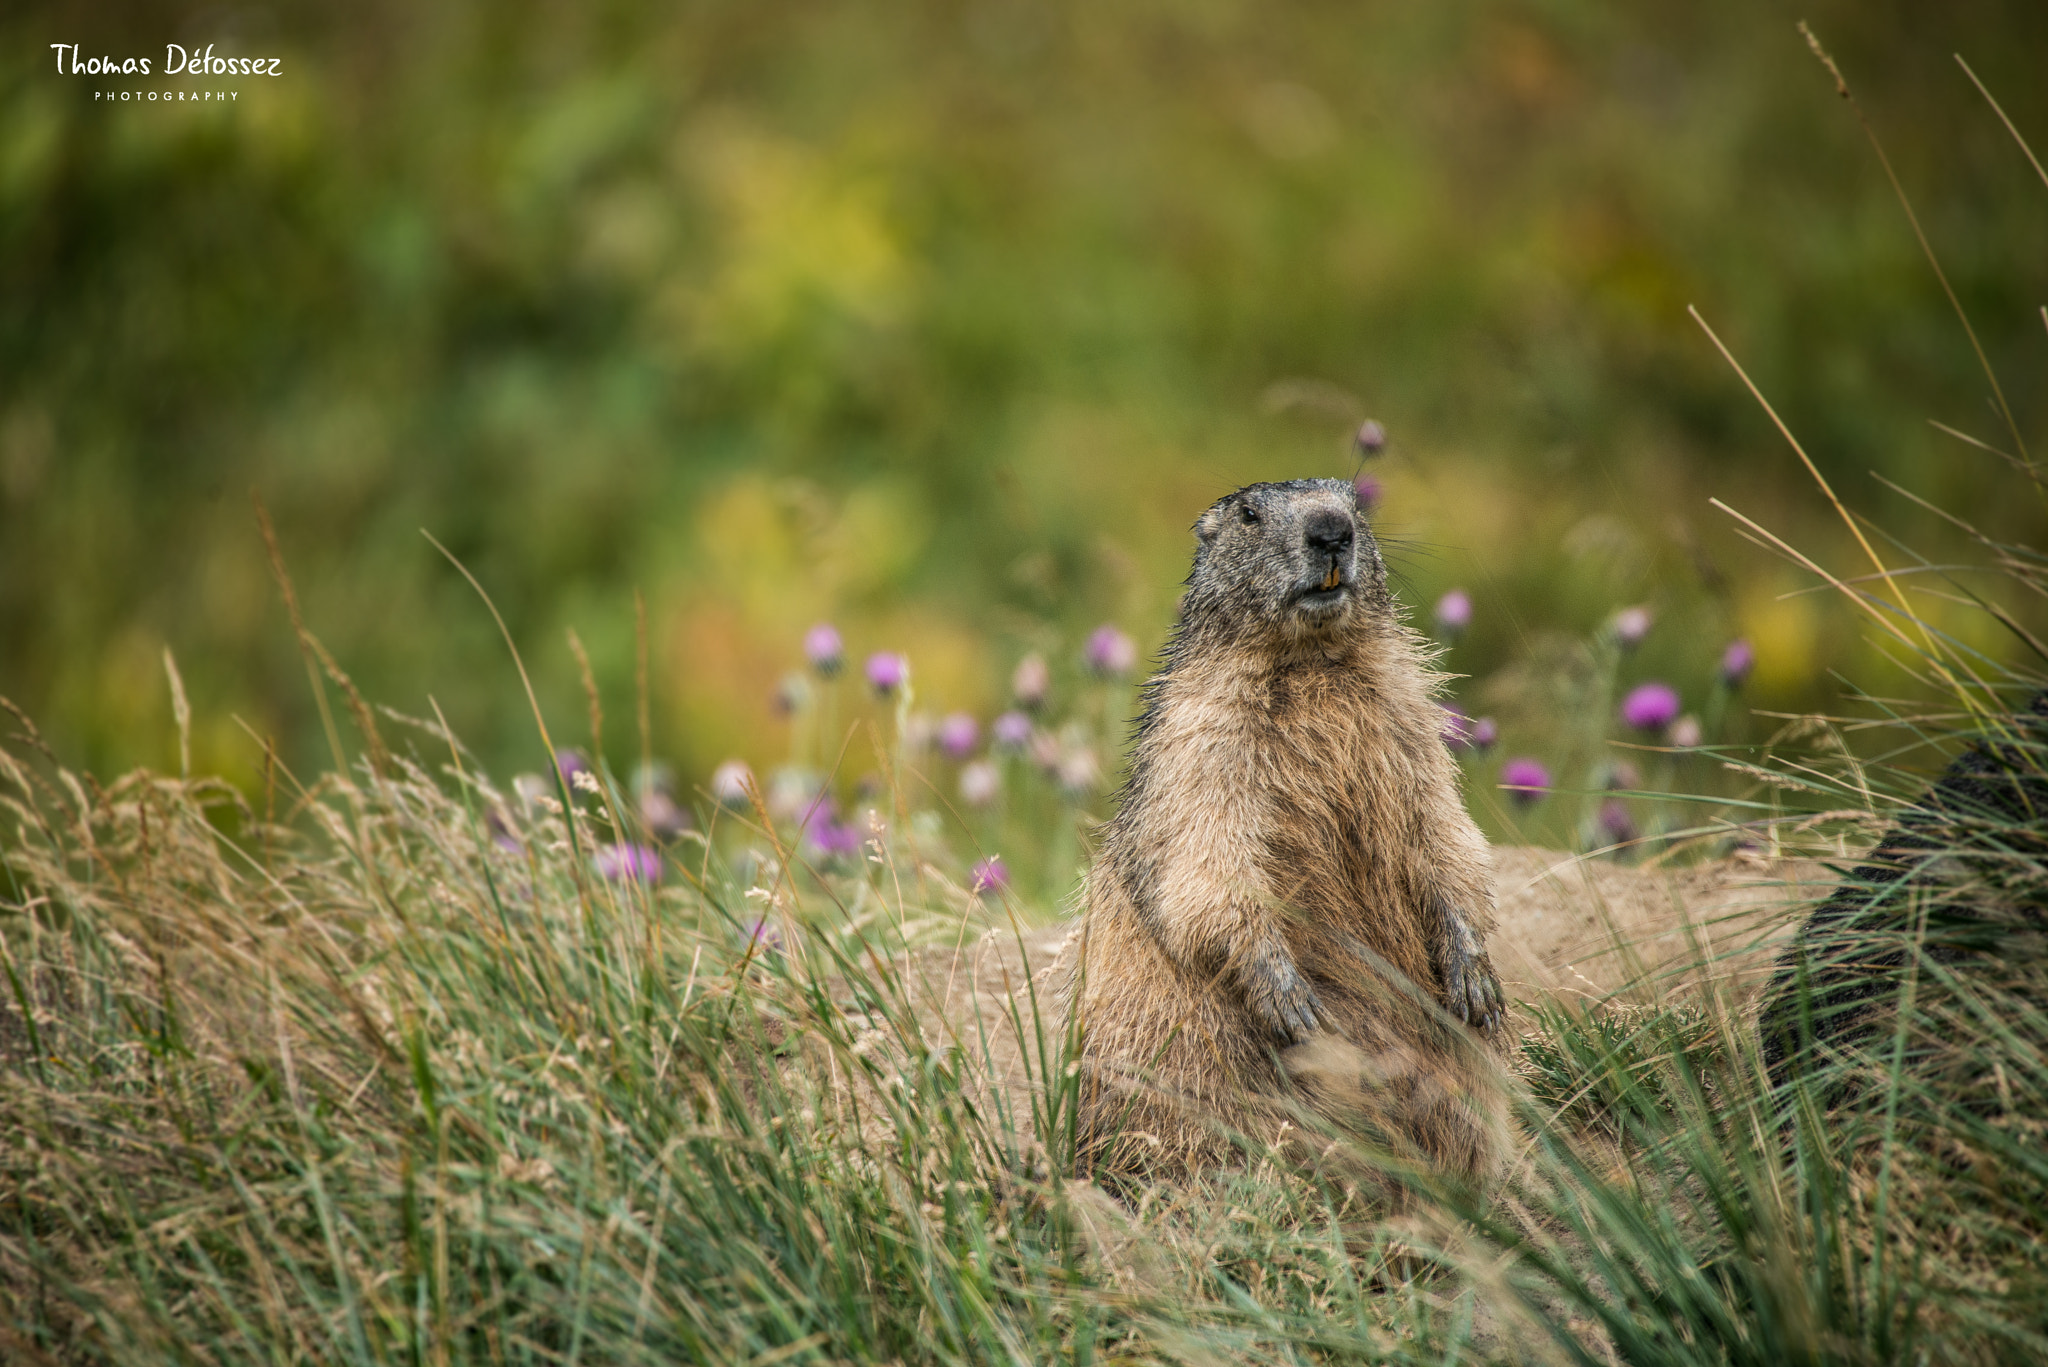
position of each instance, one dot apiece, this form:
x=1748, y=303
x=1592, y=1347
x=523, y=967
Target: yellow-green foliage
x=944, y=322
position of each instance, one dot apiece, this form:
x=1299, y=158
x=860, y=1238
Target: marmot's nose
x=1328, y=531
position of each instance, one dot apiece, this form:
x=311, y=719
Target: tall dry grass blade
x=1842, y=89
x=2008, y=457
x=291, y=604
x=1932, y=652
x=1806, y=562
x=358, y=706
x=540, y=722
x=525, y=680
x=590, y=697
x=2003, y=118
x=2006, y=619
x=181, y=712
x=640, y=679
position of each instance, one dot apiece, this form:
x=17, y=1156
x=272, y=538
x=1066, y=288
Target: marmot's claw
x=1472, y=993
x=1300, y=1013
x=1454, y=989
x=1491, y=1008
x=1287, y=1004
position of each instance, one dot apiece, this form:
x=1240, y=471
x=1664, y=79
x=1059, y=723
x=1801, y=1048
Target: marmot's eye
x=1251, y=514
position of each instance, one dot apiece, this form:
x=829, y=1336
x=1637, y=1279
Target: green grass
x=358, y=1084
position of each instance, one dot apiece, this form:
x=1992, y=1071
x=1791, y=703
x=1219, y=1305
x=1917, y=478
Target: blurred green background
x=942, y=321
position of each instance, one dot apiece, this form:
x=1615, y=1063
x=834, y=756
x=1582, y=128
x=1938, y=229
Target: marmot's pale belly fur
x=1290, y=905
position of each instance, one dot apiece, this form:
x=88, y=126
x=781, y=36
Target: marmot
x=1291, y=886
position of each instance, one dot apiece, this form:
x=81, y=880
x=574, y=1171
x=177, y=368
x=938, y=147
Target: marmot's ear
x=1209, y=524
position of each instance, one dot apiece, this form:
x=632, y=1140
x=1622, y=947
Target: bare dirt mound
x=1570, y=927
x=1588, y=927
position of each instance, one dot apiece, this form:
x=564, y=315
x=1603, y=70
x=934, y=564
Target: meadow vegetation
x=405, y=1069
x=383, y=1050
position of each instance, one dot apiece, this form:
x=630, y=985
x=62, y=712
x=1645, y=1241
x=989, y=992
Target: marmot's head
x=1296, y=558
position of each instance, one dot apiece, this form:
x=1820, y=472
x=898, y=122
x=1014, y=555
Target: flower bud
x=1736, y=662
x=980, y=783
x=887, y=671
x=989, y=876
x=1650, y=706
x=959, y=734
x=1109, y=653
x=1526, y=780
x=1631, y=625
x=823, y=648
x=1031, y=682
x=730, y=781
x=1454, y=613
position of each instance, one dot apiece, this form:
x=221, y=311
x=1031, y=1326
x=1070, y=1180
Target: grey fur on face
x=1296, y=557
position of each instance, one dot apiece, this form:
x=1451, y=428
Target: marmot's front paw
x=1282, y=999
x=1473, y=994
x=1471, y=991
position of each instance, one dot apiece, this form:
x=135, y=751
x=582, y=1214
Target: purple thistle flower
x=887, y=672
x=628, y=863
x=988, y=876
x=571, y=763
x=831, y=839
x=730, y=781
x=1650, y=706
x=1010, y=731
x=824, y=649
x=1485, y=732
x=1369, y=491
x=1615, y=822
x=1454, y=613
x=1031, y=682
x=979, y=783
x=1526, y=780
x=1631, y=625
x=1736, y=662
x=959, y=734
x=1109, y=653
x=1371, y=438
x=763, y=936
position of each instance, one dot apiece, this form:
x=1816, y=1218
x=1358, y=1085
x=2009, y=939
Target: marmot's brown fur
x=1291, y=901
